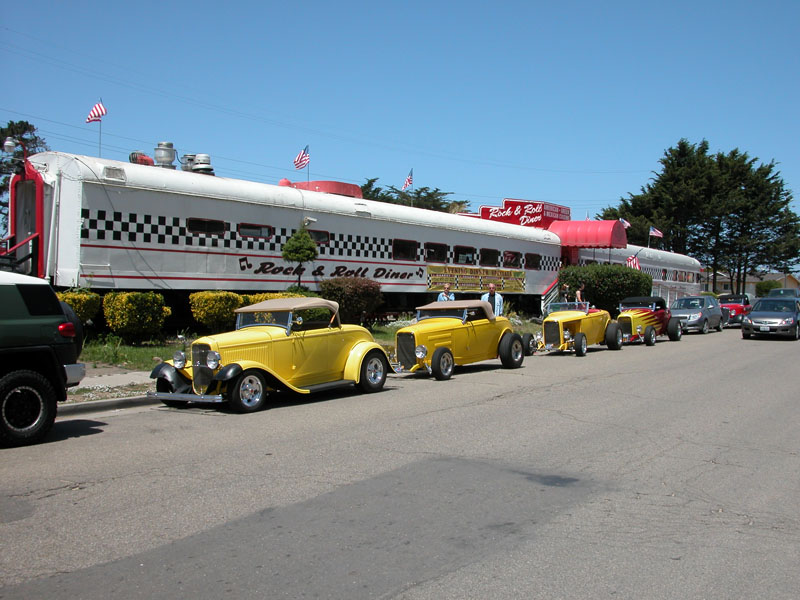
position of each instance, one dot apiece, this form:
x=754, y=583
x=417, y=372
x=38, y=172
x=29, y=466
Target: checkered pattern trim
x=108, y=226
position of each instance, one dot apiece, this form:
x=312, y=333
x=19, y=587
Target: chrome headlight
x=538, y=336
x=179, y=359
x=212, y=360
x=638, y=329
x=789, y=321
x=420, y=351
x=567, y=335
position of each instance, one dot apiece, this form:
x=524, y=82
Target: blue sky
x=572, y=103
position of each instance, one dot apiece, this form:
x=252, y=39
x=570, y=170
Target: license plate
x=762, y=328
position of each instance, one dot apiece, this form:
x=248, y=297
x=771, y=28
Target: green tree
x=728, y=211
x=28, y=142
x=299, y=248
x=424, y=197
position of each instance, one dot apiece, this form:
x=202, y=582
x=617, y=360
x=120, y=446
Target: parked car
x=784, y=293
x=454, y=333
x=40, y=342
x=573, y=326
x=296, y=344
x=773, y=317
x=698, y=313
x=738, y=306
x=642, y=318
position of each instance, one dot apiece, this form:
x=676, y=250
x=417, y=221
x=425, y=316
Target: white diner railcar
x=104, y=224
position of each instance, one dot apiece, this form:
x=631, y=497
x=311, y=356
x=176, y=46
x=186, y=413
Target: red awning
x=590, y=234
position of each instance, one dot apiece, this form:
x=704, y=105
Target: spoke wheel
x=249, y=392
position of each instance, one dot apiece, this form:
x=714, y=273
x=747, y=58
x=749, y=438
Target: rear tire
x=649, y=336
x=745, y=336
x=27, y=407
x=674, y=329
x=580, y=344
x=249, y=392
x=614, y=336
x=373, y=372
x=511, y=351
x=442, y=364
x=529, y=344
x=704, y=330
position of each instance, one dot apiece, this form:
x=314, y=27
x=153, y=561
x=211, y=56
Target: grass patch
x=110, y=350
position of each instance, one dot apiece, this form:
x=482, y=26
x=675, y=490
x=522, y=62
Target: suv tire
x=27, y=407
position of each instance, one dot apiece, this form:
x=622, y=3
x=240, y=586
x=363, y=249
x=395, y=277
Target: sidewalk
x=106, y=383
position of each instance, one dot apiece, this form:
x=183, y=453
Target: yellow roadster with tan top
x=460, y=332
x=296, y=344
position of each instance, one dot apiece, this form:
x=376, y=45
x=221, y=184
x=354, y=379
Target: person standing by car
x=446, y=295
x=564, y=293
x=580, y=293
x=495, y=299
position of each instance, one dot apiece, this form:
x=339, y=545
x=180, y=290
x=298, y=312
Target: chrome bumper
x=75, y=373
x=207, y=399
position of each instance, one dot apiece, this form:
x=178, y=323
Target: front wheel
x=249, y=392
x=650, y=336
x=720, y=324
x=27, y=407
x=705, y=327
x=745, y=336
x=373, y=372
x=511, y=351
x=613, y=336
x=580, y=344
x=442, y=364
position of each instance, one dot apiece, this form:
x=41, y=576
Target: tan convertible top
x=285, y=304
x=461, y=304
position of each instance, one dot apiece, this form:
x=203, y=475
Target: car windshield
x=782, y=292
x=774, y=306
x=562, y=306
x=733, y=299
x=273, y=318
x=688, y=303
x=445, y=313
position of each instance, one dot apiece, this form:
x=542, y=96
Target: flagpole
x=100, y=140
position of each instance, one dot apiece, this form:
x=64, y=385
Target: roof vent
x=202, y=164
x=165, y=155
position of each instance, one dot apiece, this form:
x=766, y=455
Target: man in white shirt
x=495, y=299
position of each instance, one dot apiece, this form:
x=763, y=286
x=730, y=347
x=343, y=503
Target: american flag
x=97, y=112
x=409, y=180
x=655, y=232
x=633, y=262
x=625, y=224
x=302, y=159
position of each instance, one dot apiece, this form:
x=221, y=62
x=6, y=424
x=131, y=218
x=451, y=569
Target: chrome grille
x=405, y=350
x=552, y=333
x=201, y=374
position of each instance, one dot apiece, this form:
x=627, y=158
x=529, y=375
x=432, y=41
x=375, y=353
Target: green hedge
x=607, y=285
x=355, y=295
x=86, y=304
x=135, y=316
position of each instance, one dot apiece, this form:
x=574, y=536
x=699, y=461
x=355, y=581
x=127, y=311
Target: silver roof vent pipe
x=164, y=155
x=202, y=164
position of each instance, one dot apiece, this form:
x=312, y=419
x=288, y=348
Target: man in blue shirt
x=446, y=294
x=495, y=299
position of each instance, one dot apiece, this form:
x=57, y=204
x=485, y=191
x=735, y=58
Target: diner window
x=512, y=260
x=257, y=231
x=489, y=257
x=207, y=226
x=319, y=237
x=435, y=252
x=533, y=261
x=404, y=250
x=464, y=255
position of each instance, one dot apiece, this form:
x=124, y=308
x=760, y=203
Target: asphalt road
x=663, y=472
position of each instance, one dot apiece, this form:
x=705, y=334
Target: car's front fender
x=352, y=368
x=179, y=382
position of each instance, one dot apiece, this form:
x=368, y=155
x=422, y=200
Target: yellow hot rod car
x=296, y=344
x=574, y=325
x=453, y=333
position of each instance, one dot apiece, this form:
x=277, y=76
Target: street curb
x=75, y=408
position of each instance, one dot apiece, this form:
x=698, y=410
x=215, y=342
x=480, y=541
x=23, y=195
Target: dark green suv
x=40, y=342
